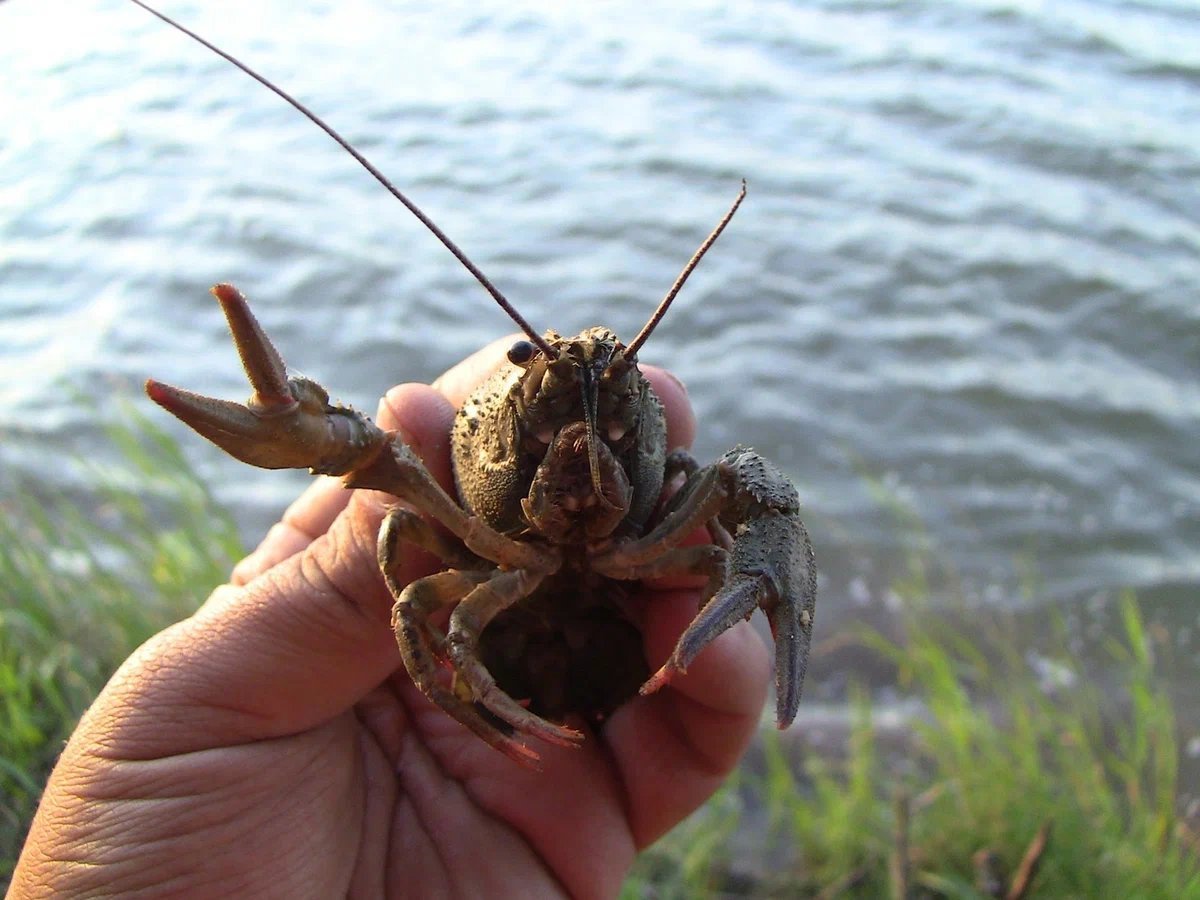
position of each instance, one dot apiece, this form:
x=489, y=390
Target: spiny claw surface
x=770, y=566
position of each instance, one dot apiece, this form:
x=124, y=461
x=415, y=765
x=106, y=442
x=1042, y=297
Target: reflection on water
x=966, y=267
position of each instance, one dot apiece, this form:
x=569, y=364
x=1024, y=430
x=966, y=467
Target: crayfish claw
x=770, y=566
x=288, y=423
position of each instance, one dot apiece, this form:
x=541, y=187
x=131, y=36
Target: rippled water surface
x=967, y=268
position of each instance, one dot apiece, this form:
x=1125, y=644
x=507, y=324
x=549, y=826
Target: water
x=966, y=270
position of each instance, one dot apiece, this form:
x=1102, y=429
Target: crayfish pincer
x=560, y=462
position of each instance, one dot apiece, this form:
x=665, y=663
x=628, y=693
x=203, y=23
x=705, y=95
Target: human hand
x=272, y=745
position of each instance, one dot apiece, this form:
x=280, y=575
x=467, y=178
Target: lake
x=959, y=304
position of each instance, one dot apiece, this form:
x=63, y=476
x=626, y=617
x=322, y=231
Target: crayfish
x=560, y=463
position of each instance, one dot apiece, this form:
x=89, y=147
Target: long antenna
x=378, y=176
x=683, y=276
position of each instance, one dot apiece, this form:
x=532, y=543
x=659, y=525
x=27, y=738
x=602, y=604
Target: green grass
x=83, y=587
x=992, y=755
x=990, y=758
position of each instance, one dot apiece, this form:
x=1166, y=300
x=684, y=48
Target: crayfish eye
x=521, y=352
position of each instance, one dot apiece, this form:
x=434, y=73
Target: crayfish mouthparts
x=579, y=492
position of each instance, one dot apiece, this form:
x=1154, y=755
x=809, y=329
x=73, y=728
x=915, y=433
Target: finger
x=681, y=421
x=422, y=416
x=459, y=381
x=675, y=747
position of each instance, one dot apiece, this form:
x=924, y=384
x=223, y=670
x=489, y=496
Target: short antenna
x=683, y=276
x=462, y=257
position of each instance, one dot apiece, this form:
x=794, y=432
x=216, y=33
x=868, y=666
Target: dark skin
x=272, y=745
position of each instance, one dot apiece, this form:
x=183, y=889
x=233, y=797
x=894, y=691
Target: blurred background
x=958, y=306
